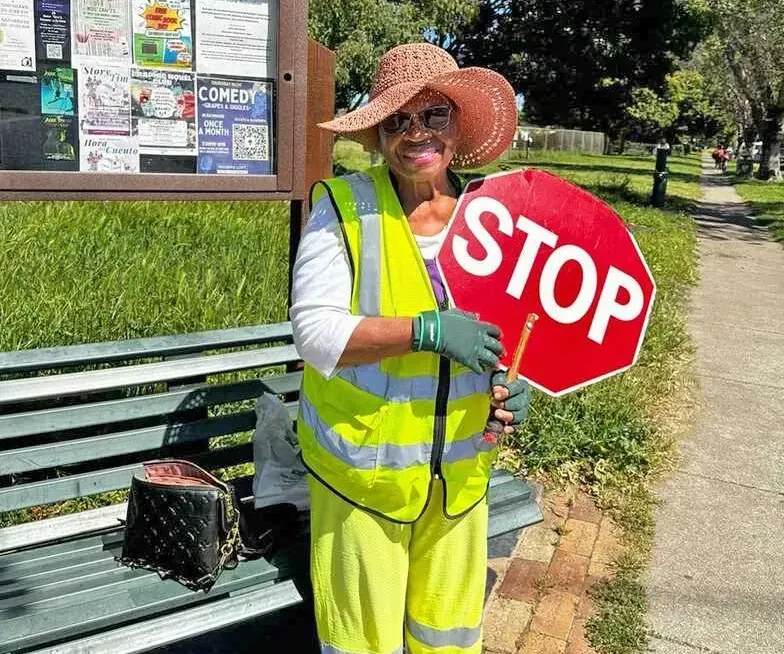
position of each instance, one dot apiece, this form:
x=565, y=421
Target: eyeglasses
x=435, y=119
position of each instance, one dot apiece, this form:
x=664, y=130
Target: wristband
x=429, y=337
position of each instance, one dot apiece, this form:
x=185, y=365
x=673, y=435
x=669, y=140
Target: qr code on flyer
x=54, y=51
x=250, y=142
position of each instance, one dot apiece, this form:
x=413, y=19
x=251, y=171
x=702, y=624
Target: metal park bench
x=75, y=423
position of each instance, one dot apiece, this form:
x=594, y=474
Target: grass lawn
x=767, y=202
x=85, y=272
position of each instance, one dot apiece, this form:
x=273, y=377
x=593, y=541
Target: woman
x=396, y=388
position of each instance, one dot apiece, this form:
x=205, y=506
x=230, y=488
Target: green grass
x=84, y=272
x=767, y=202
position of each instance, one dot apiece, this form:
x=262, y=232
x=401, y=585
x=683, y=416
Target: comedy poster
x=235, y=37
x=108, y=154
x=17, y=35
x=163, y=109
x=101, y=31
x=162, y=34
x=53, y=30
x=104, y=101
x=234, y=126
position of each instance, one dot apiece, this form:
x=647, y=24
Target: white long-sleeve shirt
x=321, y=289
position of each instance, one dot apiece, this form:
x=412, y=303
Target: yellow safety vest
x=377, y=434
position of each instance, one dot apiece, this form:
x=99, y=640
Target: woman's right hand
x=459, y=336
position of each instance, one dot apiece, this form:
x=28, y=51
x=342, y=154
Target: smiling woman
x=397, y=383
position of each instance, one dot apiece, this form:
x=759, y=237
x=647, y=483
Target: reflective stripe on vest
x=388, y=455
x=370, y=256
x=371, y=379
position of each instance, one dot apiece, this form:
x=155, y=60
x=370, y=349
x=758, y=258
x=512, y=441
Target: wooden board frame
x=289, y=120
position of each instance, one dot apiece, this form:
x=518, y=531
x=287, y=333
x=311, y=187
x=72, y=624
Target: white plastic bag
x=280, y=473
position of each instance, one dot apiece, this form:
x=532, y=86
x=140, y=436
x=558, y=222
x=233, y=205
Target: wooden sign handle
x=511, y=373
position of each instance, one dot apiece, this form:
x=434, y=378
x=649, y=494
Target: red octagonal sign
x=527, y=241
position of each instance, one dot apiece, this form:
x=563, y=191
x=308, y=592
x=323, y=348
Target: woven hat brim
x=487, y=113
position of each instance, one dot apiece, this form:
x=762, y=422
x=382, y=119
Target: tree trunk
x=770, y=166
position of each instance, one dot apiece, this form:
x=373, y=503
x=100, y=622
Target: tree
x=748, y=46
x=578, y=62
x=360, y=31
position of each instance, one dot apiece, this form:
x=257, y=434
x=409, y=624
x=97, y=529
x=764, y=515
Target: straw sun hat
x=486, y=107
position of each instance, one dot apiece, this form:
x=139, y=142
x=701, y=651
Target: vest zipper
x=439, y=427
x=442, y=398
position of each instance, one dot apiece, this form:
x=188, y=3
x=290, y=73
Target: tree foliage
x=578, y=63
x=745, y=60
x=360, y=31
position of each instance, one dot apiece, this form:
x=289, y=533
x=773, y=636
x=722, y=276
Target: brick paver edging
x=540, y=601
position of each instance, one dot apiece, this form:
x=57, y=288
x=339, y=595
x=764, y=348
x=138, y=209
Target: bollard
x=660, y=177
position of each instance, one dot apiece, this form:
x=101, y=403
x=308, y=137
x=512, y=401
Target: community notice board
x=135, y=86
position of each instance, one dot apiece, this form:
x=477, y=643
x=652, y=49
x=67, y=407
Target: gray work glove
x=510, y=399
x=459, y=336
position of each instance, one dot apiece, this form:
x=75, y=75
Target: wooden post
x=318, y=142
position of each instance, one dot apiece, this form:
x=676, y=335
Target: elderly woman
x=397, y=384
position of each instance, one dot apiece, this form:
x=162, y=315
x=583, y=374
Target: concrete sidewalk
x=716, y=582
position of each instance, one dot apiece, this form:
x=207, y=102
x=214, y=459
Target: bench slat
x=79, y=450
x=100, y=481
x=38, y=388
x=138, y=348
x=138, y=596
x=85, y=415
x=165, y=630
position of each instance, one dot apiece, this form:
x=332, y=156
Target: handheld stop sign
x=527, y=242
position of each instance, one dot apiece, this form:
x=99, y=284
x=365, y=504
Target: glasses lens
x=397, y=122
x=437, y=118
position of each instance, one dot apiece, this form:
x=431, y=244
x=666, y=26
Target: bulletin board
x=140, y=99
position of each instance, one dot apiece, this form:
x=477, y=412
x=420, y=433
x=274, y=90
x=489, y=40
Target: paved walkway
x=716, y=582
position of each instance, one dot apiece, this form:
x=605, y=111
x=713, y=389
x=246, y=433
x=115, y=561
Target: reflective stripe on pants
x=376, y=580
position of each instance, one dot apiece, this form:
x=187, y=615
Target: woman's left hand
x=510, y=400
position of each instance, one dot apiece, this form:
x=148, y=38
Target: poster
x=17, y=35
x=108, y=154
x=101, y=31
x=58, y=92
x=233, y=37
x=104, y=101
x=53, y=30
x=162, y=35
x=163, y=109
x=234, y=126
x=60, y=138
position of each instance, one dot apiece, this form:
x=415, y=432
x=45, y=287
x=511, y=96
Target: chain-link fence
x=546, y=138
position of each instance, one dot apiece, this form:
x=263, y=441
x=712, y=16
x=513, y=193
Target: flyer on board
x=104, y=101
x=101, y=31
x=163, y=109
x=234, y=126
x=17, y=35
x=53, y=30
x=108, y=154
x=234, y=37
x=58, y=91
x=162, y=35
x=60, y=138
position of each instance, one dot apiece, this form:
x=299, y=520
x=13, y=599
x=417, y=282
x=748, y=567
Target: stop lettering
x=528, y=241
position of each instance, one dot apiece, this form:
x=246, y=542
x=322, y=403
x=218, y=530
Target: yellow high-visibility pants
x=377, y=583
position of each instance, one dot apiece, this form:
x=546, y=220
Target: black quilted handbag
x=182, y=522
